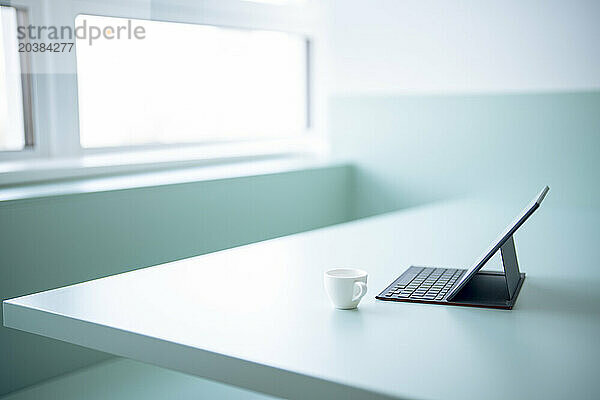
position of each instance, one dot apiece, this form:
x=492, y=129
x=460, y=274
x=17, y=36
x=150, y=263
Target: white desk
x=257, y=316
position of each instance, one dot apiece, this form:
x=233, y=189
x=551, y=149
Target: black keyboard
x=422, y=284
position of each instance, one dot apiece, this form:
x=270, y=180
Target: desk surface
x=257, y=316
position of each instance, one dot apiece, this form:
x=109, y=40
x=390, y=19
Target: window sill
x=161, y=178
x=28, y=171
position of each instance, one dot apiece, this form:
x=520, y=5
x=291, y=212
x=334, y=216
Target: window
x=222, y=80
x=183, y=83
x=12, y=111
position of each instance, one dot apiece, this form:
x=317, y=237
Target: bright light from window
x=12, y=134
x=189, y=83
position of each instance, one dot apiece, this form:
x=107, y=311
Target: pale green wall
x=410, y=149
x=56, y=241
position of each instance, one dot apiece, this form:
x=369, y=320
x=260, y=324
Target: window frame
x=29, y=138
x=57, y=138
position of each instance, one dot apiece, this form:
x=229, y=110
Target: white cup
x=345, y=287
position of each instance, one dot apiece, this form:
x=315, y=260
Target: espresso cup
x=345, y=287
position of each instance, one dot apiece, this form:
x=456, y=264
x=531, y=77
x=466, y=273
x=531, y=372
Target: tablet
x=496, y=244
